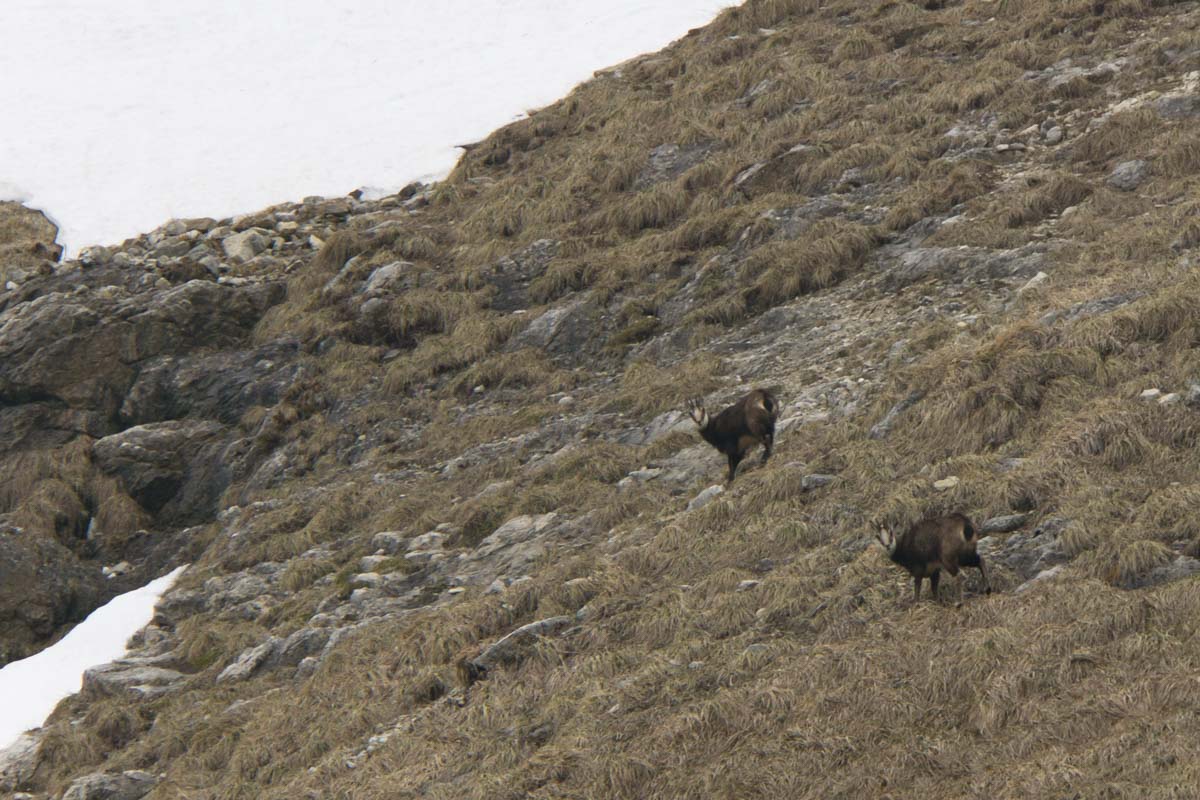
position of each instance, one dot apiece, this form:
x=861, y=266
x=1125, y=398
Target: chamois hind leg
x=916, y=588
x=973, y=560
x=951, y=568
x=934, y=580
x=768, y=443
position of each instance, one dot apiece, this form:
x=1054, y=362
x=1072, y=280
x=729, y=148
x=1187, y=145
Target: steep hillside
x=959, y=240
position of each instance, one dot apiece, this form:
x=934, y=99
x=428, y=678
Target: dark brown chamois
x=740, y=427
x=933, y=545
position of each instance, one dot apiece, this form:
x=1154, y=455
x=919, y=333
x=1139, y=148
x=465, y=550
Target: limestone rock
x=1004, y=524
x=130, y=677
x=705, y=497
x=19, y=761
x=249, y=661
x=170, y=467
x=245, y=245
x=129, y=785
x=1128, y=175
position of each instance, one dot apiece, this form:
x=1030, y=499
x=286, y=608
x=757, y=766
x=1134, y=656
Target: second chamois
x=737, y=429
x=932, y=545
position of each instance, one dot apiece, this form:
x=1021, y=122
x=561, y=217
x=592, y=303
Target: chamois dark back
x=932, y=545
x=748, y=422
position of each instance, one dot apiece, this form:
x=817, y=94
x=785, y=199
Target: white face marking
x=887, y=539
x=699, y=415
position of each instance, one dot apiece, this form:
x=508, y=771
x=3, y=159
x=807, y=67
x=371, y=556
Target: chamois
x=932, y=545
x=735, y=430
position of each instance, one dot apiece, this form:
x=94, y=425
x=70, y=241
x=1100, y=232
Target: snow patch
x=120, y=114
x=32, y=687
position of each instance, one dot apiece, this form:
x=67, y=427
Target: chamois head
x=887, y=539
x=697, y=412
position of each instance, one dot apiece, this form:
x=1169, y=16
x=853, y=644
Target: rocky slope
x=436, y=440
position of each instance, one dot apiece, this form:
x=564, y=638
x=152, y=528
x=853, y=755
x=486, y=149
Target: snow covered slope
x=119, y=114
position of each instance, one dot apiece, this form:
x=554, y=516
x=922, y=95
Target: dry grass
x=682, y=680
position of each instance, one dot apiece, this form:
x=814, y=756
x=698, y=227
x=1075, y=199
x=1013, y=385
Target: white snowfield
x=118, y=115
x=32, y=687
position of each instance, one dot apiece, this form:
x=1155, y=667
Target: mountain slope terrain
x=452, y=534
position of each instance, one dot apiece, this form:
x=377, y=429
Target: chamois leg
x=916, y=588
x=951, y=567
x=768, y=443
x=734, y=460
x=973, y=560
x=934, y=580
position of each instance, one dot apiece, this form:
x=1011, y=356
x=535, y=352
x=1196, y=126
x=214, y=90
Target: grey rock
x=131, y=678
x=220, y=386
x=1192, y=398
x=1178, y=105
x=1027, y=554
x=172, y=248
x=95, y=256
x=173, y=469
x=371, y=563
x=1090, y=308
x=639, y=476
x=668, y=161
x=816, y=481
x=516, y=546
x=245, y=245
x=881, y=429
x=84, y=348
x=386, y=278
x=428, y=541
x=1040, y=577
x=664, y=424
x=1181, y=567
x=705, y=497
x=1004, y=524
x=302, y=644
x=249, y=661
x=19, y=761
x=129, y=785
x=1054, y=135
x=42, y=586
x=564, y=330
x=389, y=542
x=369, y=580
x=763, y=86
x=1128, y=175
x=508, y=649
x=511, y=276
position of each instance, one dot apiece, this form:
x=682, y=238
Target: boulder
x=128, y=785
x=19, y=761
x=42, y=586
x=131, y=677
x=1004, y=524
x=705, y=497
x=218, y=386
x=245, y=245
x=249, y=661
x=172, y=469
x=1128, y=175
